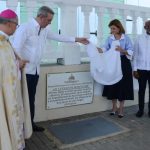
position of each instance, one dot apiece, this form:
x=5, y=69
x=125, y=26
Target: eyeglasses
x=15, y=23
x=48, y=20
x=147, y=27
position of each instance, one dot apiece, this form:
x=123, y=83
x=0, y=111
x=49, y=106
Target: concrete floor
x=137, y=138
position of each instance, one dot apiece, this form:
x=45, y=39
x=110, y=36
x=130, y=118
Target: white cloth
x=30, y=46
x=141, y=58
x=124, y=42
x=105, y=67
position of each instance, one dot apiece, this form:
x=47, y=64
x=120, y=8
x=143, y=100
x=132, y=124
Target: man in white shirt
x=141, y=66
x=29, y=41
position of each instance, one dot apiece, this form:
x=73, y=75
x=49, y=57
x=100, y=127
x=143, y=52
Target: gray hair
x=44, y=10
x=4, y=21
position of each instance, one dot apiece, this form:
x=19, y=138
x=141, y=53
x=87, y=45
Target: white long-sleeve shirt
x=29, y=45
x=141, y=58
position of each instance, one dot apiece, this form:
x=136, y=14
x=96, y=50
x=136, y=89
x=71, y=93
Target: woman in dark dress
x=122, y=90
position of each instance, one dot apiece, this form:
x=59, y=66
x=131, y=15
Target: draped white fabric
x=105, y=67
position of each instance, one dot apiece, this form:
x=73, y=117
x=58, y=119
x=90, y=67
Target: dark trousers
x=144, y=76
x=32, y=81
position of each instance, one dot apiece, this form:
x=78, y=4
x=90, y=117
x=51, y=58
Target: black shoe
x=120, y=115
x=38, y=129
x=112, y=113
x=139, y=114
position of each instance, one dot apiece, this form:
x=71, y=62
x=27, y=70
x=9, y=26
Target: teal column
x=106, y=19
x=113, y=1
x=23, y=12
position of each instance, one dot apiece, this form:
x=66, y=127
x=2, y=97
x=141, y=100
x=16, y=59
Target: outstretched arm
x=82, y=40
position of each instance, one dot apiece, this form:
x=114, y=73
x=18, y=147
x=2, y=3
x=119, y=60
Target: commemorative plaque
x=68, y=89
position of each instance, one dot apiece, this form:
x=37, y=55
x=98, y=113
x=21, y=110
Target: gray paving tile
x=136, y=139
